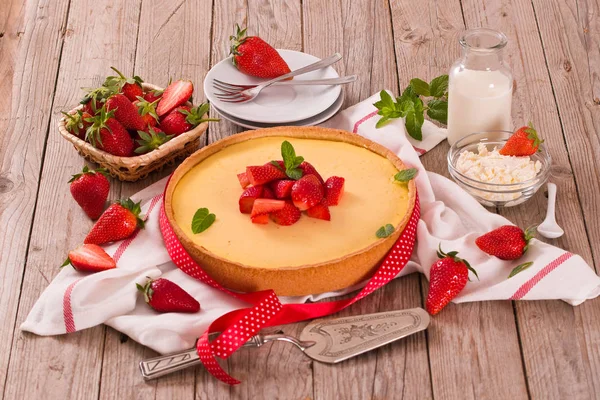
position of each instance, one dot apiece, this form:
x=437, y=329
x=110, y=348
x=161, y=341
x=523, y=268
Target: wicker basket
x=134, y=168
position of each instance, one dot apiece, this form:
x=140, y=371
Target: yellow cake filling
x=371, y=199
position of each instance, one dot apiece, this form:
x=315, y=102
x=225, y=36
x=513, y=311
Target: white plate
x=317, y=119
x=276, y=104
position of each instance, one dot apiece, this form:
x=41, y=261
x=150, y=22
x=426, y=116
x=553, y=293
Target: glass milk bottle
x=480, y=86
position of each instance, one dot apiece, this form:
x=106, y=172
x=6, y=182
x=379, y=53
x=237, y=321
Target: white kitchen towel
x=75, y=301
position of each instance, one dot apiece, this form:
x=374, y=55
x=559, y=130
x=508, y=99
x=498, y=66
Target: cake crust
x=328, y=276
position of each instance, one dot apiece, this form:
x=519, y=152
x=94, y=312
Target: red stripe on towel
x=530, y=284
x=363, y=119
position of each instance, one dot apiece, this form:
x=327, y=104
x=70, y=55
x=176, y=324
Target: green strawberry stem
x=135, y=209
x=453, y=255
x=146, y=289
x=528, y=235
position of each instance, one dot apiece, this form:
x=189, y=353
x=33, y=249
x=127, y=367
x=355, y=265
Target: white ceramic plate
x=276, y=104
x=317, y=119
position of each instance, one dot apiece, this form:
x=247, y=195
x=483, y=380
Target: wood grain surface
x=488, y=350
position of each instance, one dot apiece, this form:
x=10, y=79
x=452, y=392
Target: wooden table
x=503, y=350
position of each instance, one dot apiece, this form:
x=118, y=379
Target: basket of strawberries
x=131, y=128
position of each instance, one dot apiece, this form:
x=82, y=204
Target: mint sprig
x=385, y=231
x=410, y=105
x=405, y=175
x=290, y=160
x=202, y=220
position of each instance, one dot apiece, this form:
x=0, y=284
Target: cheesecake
x=312, y=255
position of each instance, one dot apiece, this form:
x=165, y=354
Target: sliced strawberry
x=307, y=192
x=248, y=197
x=266, y=206
x=90, y=258
x=308, y=169
x=334, y=190
x=283, y=188
x=259, y=175
x=268, y=193
x=176, y=94
x=288, y=215
x=320, y=211
x=243, y=178
x=262, y=219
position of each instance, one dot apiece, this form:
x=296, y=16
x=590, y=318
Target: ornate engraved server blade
x=342, y=338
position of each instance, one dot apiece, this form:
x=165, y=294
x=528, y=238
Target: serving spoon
x=549, y=228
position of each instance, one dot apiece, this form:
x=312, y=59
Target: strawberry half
x=334, y=190
x=320, y=211
x=288, y=215
x=166, y=296
x=283, y=188
x=176, y=94
x=307, y=192
x=259, y=175
x=243, y=178
x=262, y=219
x=308, y=169
x=90, y=258
x=248, y=198
x=118, y=222
x=266, y=206
x=268, y=193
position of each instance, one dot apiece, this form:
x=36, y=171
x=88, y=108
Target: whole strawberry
x=118, y=222
x=96, y=97
x=125, y=112
x=184, y=118
x=147, y=111
x=524, y=142
x=130, y=87
x=77, y=123
x=106, y=133
x=447, y=278
x=166, y=296
x=90, y=190
x=508, y=242
x=90, y=258
x=254, y=56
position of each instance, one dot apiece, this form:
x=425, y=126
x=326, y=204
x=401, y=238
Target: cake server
x=325, y=340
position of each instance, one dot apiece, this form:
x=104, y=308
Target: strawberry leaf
x=405, y=175
x=202, y=220
x=67, y=262
x=520, y=268
x=385, y=231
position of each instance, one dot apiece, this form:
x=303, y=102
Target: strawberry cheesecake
x=299, y=210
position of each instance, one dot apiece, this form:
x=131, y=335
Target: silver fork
x=232, y=88
x=244, y=95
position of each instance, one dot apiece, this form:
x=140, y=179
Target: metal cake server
x=324, y=340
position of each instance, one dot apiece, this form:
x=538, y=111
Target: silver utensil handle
x=329, y=81
x=311, y=67
x=158, y=366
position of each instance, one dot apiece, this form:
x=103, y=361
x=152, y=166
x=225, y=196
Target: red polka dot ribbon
x=238, y=326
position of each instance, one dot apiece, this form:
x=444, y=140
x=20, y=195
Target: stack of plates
x=278, y=105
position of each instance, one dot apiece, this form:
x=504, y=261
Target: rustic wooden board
x=555, y=348
x=98, y=34
x=27, y=81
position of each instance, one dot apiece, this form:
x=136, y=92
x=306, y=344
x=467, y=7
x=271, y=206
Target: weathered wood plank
x=30, y=45
x=186, y=57
x=361, y=31
x=98, y=34
x=559, y=354
x=466, y=347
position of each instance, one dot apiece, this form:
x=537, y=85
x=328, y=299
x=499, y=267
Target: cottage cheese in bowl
x=493, y=179
x=492, y=167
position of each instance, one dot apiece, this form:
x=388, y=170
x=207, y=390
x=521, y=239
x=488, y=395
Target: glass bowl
x=496, y=194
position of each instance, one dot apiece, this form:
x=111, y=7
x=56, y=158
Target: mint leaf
x=405, y=175
x=438, y=110
x=382, y=121
x=276, y=165
x=520, y=268
x=408, y=94
x=419, y=86
x=386, y=101
x=439, y=86
x=385, y=231
x=202, y=220
x=413, y=125
x=406, y=106
x=294, y=173
x=288, y=154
